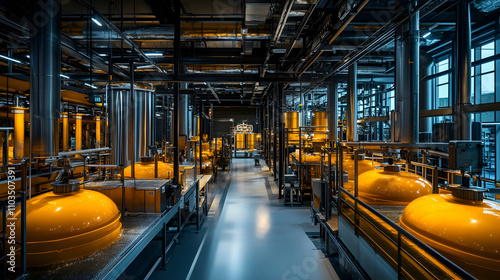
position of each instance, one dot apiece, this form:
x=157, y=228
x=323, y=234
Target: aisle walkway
x=255, y=236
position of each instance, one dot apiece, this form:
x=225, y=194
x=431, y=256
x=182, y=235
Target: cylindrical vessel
x=240, y=141
x=251, y=141
x=291, y=120
x=119, y=122
x=390, y=186
x=65, y=132
x=63, y=227
x=18, y=132
x=143, y=121
x=319, y=124
x=78, y=132
x=464, y=231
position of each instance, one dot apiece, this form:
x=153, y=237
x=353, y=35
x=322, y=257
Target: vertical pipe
x=45, y=84
x=426, y=66
x=332, y=111
x=462, y=119
x=352, y=103
x=78, y=132
x=132, y=132
x=18, y=132
x=65, y=132
x=175, y=119
x=97, y=131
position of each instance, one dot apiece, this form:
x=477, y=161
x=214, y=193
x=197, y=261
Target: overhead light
x=64, y=76
x=27, y=56
x=96, y=22
x=426, y=35
x=153, y=54
x=244, y=31
x=11, y=59
x=205, y=83
x=91, y=86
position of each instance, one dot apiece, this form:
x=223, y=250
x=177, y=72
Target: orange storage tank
x=146, y=170
x=63, y=227
x=363, y=165
x=391, y=186
x=464, y=229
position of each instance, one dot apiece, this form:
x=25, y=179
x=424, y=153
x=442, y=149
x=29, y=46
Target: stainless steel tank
x=120, y=123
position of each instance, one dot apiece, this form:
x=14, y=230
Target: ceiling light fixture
x=11, y=59
x=153, y=54
x=426, y=35
x=96, y=22
x=89, y=85
x=64, y=76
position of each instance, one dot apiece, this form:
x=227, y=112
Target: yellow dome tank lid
x=464, y=230
x=146, y=170
x=63, y=227
x=363, y=166
x=390, y=186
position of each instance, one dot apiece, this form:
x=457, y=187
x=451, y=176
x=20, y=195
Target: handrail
x=453, y=267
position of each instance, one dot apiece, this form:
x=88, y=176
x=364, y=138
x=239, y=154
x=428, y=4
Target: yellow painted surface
x=291, y=120
x=18, y=132
x=363, y=166
x=467, y=233
x=319, y=119
x=250, y=141
x=65, y=227
x=78, y=132
x=381, y=187
x=146, y=170
x=65, y=132
x=240, y=141
x=98, y=131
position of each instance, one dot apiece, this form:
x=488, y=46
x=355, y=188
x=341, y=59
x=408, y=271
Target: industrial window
x=443, y=99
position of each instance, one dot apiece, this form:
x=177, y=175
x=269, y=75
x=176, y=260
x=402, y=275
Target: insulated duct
x=407, y=80
x=45, y=84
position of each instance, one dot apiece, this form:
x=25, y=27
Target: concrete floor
x=249, y=234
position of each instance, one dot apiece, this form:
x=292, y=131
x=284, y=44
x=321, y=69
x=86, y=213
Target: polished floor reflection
x=253, y=236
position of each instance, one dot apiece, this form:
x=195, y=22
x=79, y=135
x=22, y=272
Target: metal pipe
x=65, y=132
x=18, y=132
x=78, y=132
x=352, y=103
x=426, y=66
x=45, y=85
x=332, y=111
x=131, y=144
x=461, y=118
x=97, y=131
x=88, y=151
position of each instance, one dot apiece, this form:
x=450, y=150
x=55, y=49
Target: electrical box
x=466, y=155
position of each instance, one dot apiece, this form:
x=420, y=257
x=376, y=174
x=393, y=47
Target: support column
x=352, y=103
x=45, y=84
x=175, y=114
x=462, y=120
x=332, y=111
x=275, y=135
x=281, y=130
